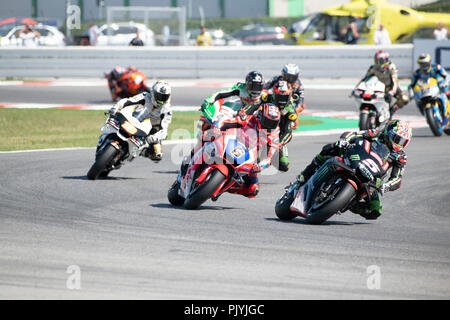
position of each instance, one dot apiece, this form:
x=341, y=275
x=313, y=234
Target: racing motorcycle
x=373, y=109
x=126, y=83
x=123, y=139
x=433, y=104
x=222, y=162
x=339, y=184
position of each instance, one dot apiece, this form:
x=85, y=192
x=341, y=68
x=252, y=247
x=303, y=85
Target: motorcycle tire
x=205, y=190
x=342, y=198
x=282, y=207
x=363, y=121
x=101, y=162
x=172, y=195
x=434, y=126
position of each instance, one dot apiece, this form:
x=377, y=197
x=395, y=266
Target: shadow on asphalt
x=169, y=206
x=166, y=171
x=326, y=223
x=106, y=178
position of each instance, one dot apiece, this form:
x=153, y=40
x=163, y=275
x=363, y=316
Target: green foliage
x=439, y=6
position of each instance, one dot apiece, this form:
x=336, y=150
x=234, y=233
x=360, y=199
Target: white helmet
x=290, y=72
x=161, y=92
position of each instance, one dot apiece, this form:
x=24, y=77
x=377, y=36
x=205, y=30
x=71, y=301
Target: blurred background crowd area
x=225, y=22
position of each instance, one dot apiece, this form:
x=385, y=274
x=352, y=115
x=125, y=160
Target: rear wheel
x=102, y=161
x=435, y=125
x=204, y=191
x=335, y=200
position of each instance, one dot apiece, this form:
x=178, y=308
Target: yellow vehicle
x=326, y=27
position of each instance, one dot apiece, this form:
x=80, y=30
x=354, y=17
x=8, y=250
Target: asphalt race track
x=126, y=241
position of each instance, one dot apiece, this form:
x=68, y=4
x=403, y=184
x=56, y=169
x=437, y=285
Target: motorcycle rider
x=265, y=125
x=157, y=101
x=281, y=95
x=395, y=136
x=432, y=70
x=250, y=98
x=291, y=74
x=248, y=92
x=386, y=71
x=121, y=80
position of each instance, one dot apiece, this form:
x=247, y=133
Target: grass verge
x=28, y=129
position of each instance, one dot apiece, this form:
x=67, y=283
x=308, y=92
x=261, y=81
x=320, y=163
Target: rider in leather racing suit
x=265, y=125
x=249, y=93
x=433, y=70
x=386, y=71
x=158, y=103
x=291, y=74
x=281, y=95
x=396, y=136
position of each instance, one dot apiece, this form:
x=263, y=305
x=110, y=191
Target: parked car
x=50, y=36
x=262, y=34
x=123, y=32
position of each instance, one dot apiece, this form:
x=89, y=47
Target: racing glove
x=343, y=144
x=112, y=112
x=256, y=168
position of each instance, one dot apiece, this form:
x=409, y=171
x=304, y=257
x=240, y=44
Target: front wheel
x=342, y=195
x=173, y=196
x=102, y=161
x=282, y=207
x=205, y=190
x=434, y=124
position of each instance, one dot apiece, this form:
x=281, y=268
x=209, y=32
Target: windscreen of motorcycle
x=141, y=113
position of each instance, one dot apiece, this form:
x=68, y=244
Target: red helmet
x=282, y=93
x=382, y=60
x=268, y=117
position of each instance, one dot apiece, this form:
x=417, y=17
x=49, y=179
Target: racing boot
x=369, y=211
x=249, y=188
x=153, y=152
x=284, y=160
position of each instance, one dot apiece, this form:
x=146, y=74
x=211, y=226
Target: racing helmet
x=290, y=72
x=424, y=61
x=382, y=60
x=282, y=93
x=254, y=83
x=161, y=92
x=268, y=117
x=118, y=72
x=398, y=133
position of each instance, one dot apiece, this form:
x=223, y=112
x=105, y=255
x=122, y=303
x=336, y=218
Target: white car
x=122, y=33
x=50, y=36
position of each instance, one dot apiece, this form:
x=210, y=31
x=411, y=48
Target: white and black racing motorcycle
x=373, y=108
x=123, y=138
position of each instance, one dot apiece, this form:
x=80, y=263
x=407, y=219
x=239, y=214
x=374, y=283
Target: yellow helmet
x=424, y=62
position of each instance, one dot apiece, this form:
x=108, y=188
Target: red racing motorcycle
x=221, y=163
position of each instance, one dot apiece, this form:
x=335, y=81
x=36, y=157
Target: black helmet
x=282, y=92
x=254, y=83
x=268, y=117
